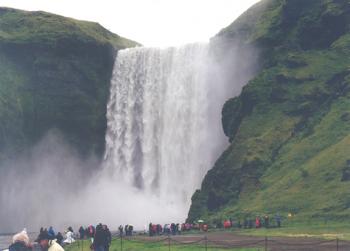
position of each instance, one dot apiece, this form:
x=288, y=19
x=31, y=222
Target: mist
x=49, y=187
x=52, y=186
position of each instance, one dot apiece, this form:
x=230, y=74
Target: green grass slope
x=54, y=73
x=290, y=127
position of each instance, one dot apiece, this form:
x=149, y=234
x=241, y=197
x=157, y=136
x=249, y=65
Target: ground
x=289, y=238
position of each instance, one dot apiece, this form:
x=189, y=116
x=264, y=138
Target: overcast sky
x=150, y=22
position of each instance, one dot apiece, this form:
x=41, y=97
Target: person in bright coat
x=47, y=244
x=69, y=236
x=51, y=232
x=257, y=222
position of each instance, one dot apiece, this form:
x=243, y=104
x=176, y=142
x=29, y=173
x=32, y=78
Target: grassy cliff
x=290, y=128
x=54, y=73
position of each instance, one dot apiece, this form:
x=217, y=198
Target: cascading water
x=164, y=133
x=164, y=129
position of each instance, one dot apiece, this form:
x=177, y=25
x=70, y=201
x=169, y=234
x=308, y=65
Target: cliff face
x=290, y=128
x=54, y=73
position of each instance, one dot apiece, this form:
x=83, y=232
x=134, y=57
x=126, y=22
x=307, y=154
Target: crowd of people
x=127, y=229
x=49, y=240
x=60, y=239
x=169, y=229
x=258, y=222
x=101, y=237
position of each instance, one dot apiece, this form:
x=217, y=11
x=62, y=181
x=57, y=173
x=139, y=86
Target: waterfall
x=163, y=134
x=163, y=121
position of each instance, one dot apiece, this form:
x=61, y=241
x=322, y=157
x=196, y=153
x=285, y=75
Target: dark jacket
x=19, y=246
x=100, y=238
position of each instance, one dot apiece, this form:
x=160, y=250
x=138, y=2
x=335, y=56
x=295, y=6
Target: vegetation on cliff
x=54, y=73
x=290, y=127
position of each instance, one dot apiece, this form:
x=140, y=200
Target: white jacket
x=69, y=238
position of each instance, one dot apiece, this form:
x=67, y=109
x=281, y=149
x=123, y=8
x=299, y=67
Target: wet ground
x=230, y=240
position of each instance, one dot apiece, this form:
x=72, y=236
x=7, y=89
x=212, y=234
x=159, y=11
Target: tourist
x=178, y=229
x=100, y=239
x=227, y=224
x=172, y=228
x=59, y=238
x=69, y=236
x=166, y=229
x=155, y=229
x=158, y=229
x=51, y=233
x=266, y=221
x=257, y=222
x=81, y=232
x=126, y=230
x=150, y=229
x=47, y=244
x=91, y=233
x=278, y=220
x=120, y=230
x=130, y=229
x=20, y=242
x=108, y=237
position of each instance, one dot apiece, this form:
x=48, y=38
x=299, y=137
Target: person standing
x=131, y=230
x=51, y=233
x=69, y=236
x=257, y=222
x=99, y=239
x=91, y=232
x=172, y=228
x=150, y=229
x=266, y=221
x=59, y=238
x=47, y=244
x=178, y=229
x=126, y=230
x=278, y=220
x=107, y=236
x=20, y=242
x=81, y=232
x=120, y=230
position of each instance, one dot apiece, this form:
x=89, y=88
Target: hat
x=43, y=236
x=21, y=236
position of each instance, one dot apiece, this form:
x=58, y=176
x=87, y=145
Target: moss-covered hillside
x=290, y=127
x=54, y=73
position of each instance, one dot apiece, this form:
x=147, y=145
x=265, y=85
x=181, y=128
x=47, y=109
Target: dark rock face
x=288, y=129
x=55, y=73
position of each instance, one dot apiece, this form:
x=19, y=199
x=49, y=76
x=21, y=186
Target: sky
x=156, y=23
